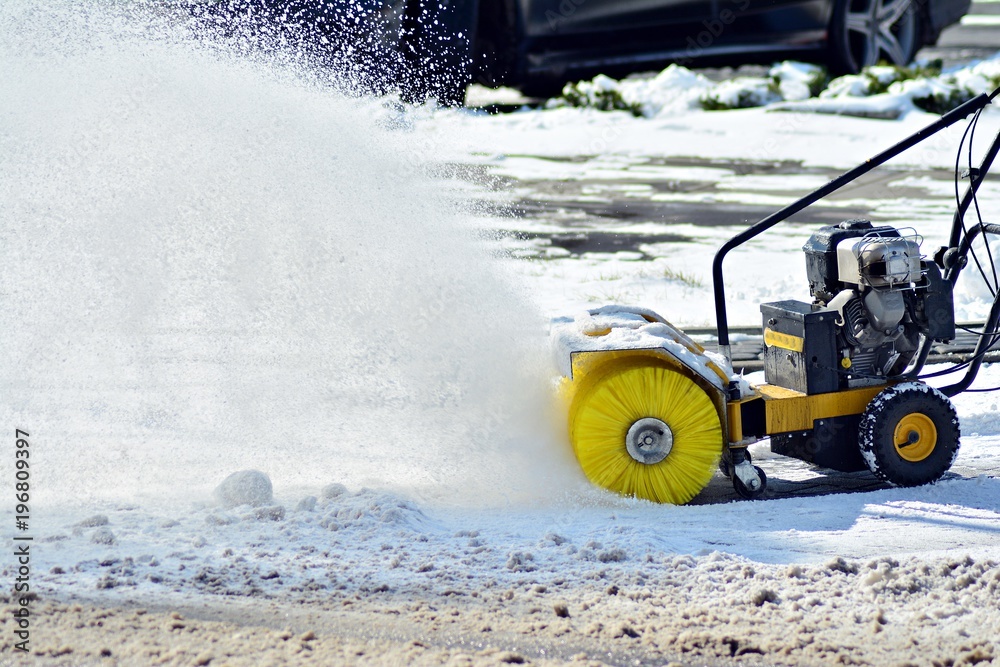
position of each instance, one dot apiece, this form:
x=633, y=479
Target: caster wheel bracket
x=747, y=474
x=749, y=480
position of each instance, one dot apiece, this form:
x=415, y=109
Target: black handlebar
x=948, y=119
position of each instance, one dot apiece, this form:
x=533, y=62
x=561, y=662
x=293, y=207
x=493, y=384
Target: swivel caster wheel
x=752, y=487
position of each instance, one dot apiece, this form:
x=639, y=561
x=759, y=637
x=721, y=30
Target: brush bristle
x=606, y=404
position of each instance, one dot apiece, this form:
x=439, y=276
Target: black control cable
x=979, y=215
x=958, y=200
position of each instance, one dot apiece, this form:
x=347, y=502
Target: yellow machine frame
x=787, y=411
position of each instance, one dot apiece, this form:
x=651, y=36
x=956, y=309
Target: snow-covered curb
x=877, y=92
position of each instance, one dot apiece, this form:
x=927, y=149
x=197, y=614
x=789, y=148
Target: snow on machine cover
x=624, y=328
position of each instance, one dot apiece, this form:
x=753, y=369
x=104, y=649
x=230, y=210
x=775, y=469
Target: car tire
x=866, y=32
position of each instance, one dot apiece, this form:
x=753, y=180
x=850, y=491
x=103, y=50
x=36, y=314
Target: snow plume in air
x=212, y=262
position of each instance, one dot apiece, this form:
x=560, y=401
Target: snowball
x=103, y=536
x=333, y=491
x=246, y=487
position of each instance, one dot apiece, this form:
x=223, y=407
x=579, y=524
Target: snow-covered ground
x=209, y=266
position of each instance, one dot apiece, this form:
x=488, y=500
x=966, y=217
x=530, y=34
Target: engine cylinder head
x=880, y=262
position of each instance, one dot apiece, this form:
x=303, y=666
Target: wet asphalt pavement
x=590, y=212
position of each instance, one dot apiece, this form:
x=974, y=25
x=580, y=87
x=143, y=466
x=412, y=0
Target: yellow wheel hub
x=915, y=437
x=646, y=431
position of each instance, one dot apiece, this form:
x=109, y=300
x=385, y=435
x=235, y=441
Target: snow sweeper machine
x=652, y=413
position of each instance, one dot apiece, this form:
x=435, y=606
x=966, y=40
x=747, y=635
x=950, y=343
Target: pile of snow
x=367, y=509
x=674, y=90
x=245, y=487
x=677, y=90
x=797, y=81
x=886, y=91
x=741, y=93
x=880, y=91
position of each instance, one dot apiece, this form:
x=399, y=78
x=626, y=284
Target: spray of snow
x=211, y=262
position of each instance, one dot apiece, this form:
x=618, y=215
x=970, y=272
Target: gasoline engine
x=877, y=297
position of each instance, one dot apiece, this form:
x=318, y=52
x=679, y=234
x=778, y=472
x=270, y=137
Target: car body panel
x=732, y=28
x=546, y=18
x=943, y=13
x=522, y=43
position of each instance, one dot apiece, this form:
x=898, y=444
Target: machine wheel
x=866, y=32
x=646, y=431
x=747, y=493
x=909, y=434
x=726, y=468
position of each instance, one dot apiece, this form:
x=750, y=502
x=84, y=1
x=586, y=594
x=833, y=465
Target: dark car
x=437, y=47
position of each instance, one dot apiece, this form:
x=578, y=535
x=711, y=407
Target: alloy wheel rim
x=880, y=30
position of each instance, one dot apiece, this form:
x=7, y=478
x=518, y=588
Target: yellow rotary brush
x=645, y=430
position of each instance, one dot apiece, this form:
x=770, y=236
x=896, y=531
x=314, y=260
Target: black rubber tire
x=746, y=493
x=878, y=430
x=849, y=50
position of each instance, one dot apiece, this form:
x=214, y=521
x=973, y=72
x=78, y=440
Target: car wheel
x=867, y=32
